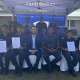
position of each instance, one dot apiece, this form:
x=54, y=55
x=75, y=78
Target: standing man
x=50, y=43
x=41, y=25
x=67, y=54
x=14, y=22
x=33, y=48
x=5, y=37
x=28, y=23
x=54, y=26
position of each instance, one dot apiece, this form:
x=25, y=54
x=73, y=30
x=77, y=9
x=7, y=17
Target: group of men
x=32, y=40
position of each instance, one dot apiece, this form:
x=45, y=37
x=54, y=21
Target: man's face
x=19, y=29
x=34, y=30
x=41, y=19
x=4, y=29
x=14, y=18
x=50, y=30
x=53, y=21
x=27, y=20
x=23, y=30
x=69, y=34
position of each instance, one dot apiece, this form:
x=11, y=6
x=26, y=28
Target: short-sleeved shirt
x=22, y=39
x=65, y=40
x=40, y=26
x=50, y=41
x=7, y=39
x=29, y=25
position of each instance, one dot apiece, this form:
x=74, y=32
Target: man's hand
x=21, y=48
x=65, y=49
x=76, y=49
x=7, y=49
x=52, y=50
x=33, y=51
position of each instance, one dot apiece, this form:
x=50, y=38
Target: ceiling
x=49, y=7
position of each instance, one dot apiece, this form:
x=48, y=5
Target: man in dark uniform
x=14, y=22
x=67, y=54
x=50, y=43
x=19, y=51
x=40, y=25
x=5, y=37
x=33, y=48
x=54, y=26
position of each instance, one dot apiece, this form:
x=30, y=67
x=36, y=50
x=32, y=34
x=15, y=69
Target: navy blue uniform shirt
x=65, y=40
x=7, y=39
x=50, y=41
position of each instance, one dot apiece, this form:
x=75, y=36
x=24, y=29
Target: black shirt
x=65, y=40
x=40, y=26
x=50, y=41
x=7, y=39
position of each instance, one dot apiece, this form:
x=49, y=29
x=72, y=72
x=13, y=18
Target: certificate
x=3, y=47
x=15, y=42
x=71, y=46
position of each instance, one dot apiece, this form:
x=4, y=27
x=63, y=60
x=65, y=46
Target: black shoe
x=19, y=74
x=36, y=71
x=49, y=70
x=1, y=73
x=30, y=71
x=5, y=73
x=72, y=71
x=16, y=69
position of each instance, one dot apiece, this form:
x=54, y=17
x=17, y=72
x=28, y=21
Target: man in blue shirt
x=5, y=37
x=67, y=54
x=33, y=48
x=28, y=23
x=50, y=43
x=20, y=51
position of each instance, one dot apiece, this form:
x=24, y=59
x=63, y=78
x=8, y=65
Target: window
x=72, y=23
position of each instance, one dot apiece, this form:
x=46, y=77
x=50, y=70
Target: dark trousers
x=71, y=63
x=6, y=60
x=37, y=54
x=12, y=55
x=56, y=54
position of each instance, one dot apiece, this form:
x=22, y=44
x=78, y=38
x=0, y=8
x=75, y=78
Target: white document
x=3, y=47
x=15, y=42
x=71, y=46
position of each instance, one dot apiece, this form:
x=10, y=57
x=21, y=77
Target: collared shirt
x=50, y=41
x=29, y=25
x=65, y=40
x=33, y=43
x=40, y=25
x=7, y=39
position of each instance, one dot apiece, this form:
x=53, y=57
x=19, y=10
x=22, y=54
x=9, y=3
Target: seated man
x=18, y=51
x=67, y=53
x=50, y=43
x=5, y=37
x=33, y=48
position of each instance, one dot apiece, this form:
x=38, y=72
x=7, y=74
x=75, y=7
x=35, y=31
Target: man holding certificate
x=5, y=45
x=18, y=48
x=69, y=49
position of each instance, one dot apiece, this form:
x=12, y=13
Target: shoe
x=5, y=71
x=30, y=71
x=16, y=69
x=20, y=71
x=2, y=70
x=49, y=70
x=36, y=71
x=72, y=71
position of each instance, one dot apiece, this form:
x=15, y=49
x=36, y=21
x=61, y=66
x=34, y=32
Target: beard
x=33, y=33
